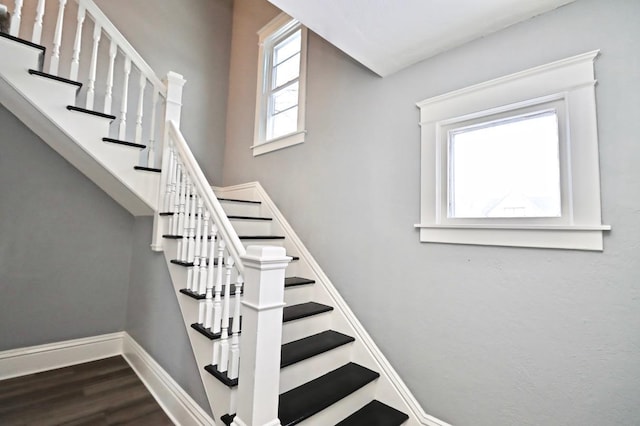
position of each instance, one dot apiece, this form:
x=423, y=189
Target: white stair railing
x=236, y=283
x=143, y=126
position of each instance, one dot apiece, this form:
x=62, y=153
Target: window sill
x=537, y=236
x=279, y=143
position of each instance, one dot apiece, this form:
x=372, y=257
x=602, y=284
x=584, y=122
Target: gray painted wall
x=65, y=246
x=499, y=336
x=153, y=314
x=192, y=38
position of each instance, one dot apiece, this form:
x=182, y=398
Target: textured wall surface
x=153, y=314
x=499, y=336
x=65, y=246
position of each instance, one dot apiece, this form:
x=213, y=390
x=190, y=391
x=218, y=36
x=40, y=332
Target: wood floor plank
x=104, y=392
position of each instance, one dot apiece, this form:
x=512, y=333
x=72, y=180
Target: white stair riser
x=22, y=57
x=297, y=294
x=240, y=209
x=309, y=369
x=343, y=408
x=294, y=330
x=251, y=227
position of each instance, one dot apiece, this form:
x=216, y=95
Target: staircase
x=330, y=371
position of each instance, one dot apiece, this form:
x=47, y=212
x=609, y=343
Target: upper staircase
x=268, y=342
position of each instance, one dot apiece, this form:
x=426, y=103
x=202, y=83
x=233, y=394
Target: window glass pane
x=284, y=123
x=284, y=98
x=287, y=71
x=506, y=168
x=287, y=48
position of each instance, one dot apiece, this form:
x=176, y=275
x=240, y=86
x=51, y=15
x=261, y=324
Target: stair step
x=375, y=413
x=198, y=296
x=56, y=78
x=91, y=112
x=147, y=169
x=304, y=310
x=249, y=218
x=261, y=237
x=310, y=398
x=296, y=281
x=308, y=347
x=290, y=313
x=234, y=200
x=25, y=42
x=119, y=142
x=223, y=377
x=215, y=262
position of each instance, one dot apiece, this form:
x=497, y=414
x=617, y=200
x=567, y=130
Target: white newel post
x=263, y=301
x=173, y=108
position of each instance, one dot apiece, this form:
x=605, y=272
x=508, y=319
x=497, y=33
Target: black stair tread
x=91, y=112
x=147, y=169
x=56, y=78
x=215, y=262
x=179, y=237
x=126, y=143
x=312, y=397
x=375, y=413
x=192, y=294
x=234, y=200
x=223, y=377
x=310, y=346
x=303, y=310
x=289, y=313
x=261, y=237
x=207, y=332
x=232, y=217
x=295, y=281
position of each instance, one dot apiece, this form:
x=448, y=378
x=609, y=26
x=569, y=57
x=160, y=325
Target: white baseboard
x=177, y=404
x=34, y=359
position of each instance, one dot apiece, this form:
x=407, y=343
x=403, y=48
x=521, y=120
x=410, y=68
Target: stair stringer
x=36, y=102
x=389, y=387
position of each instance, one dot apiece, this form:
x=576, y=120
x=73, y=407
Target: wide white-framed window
x=280, y=99
x=514, y=161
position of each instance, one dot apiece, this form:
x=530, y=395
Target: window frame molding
x=269, y=35
x=571, y=82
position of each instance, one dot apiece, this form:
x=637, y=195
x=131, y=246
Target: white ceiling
x=388, y=35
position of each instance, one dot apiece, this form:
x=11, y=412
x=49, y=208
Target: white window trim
x=572, y=81
x=280, y=24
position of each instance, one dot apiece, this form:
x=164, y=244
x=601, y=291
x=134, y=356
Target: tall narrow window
x=281, y=85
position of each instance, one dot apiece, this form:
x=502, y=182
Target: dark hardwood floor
x=104, y=392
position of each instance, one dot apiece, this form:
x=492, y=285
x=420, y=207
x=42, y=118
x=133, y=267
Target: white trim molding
x=176, y=403
x=50, y=356
x=567, y=85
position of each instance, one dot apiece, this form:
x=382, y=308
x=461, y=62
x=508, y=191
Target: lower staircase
x=331, y=372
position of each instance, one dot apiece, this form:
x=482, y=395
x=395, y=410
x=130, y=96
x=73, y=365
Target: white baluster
x=77, y=44
x=199, y=237
x=217, y=293
x=57, y=40
x=223, y=358
x=108, y=96
x=184, y=229
x=91, y=88
x=37, y=26
x=151, y=150
x=202, y=285
x=16, y=19
x=210, y=276
x=177, y=198
x=122, y=131
x=170, y=188
x=192, y=225
x=235, y=331
x=139, y=114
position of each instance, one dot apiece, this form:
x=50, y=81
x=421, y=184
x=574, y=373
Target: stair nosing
x=91, y=112
x=125, y=143
x=234, y=200
x=147, y=169
x=55, y=78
